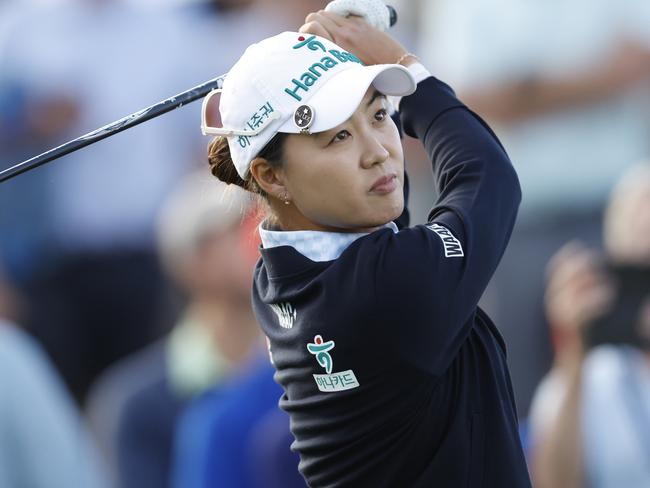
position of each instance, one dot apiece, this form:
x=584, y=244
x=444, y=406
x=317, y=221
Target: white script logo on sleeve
x=453, y=247
x=286, y=314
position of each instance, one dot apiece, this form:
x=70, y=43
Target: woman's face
x=350, y=177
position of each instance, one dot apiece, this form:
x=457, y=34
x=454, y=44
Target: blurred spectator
x=269, y=443
x=218, y=441
x=7, y=11
x=210, y=257
x=114, y=388
x=43, y=442
x=566, y=85
x=95, y=288
x=18, y=214
x=68, y=68
x=591, y=414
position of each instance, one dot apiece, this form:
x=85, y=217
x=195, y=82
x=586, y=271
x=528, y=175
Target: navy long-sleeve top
x=392, y=375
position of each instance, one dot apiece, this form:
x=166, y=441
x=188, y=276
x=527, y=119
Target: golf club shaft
x=114, y=127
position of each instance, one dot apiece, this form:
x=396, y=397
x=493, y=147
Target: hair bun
x=221, y=164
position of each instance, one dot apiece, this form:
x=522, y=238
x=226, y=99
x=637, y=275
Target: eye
x=340, y=136
x=381, y=115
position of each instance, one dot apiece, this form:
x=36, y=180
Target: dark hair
x=222, y=166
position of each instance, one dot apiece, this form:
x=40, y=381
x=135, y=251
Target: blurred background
x=129, y=356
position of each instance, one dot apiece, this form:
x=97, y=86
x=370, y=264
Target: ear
x=270, y=179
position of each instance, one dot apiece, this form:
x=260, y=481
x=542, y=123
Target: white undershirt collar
x=316, y=245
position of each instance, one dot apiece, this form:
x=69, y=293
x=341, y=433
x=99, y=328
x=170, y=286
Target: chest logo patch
x=286, y=314
x=453, y=247
x=345, y=380
x=321, y=350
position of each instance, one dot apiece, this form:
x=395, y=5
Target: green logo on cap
x=311, y=75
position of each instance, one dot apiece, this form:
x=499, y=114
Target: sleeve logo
x=286, y=314
x=453, y=247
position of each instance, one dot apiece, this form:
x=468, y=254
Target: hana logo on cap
x=310, y=76
x=280, y=83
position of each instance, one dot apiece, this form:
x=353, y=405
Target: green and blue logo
x=321, y=349
x=311, y=75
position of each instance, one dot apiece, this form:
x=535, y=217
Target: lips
x=385, y=184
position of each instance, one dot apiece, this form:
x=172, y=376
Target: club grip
x=375, y=12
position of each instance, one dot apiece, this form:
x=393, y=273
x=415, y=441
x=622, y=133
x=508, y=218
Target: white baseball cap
x=294, y=83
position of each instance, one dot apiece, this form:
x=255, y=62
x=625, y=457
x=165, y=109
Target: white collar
x=315, y=245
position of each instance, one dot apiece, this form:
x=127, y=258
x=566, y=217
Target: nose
x=374, y=151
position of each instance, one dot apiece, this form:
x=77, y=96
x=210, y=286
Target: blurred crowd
x=129, y=354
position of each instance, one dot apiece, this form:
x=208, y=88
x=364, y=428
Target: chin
x=383, y=216
x=394, y=211
x=364, y=218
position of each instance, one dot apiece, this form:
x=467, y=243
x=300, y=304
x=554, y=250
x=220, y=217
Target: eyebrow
x=375, y=94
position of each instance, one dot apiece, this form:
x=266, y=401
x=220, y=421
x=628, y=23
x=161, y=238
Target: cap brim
x=339, y=97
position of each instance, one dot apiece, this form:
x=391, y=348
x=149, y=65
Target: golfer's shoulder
x=406, y=241
x=414, y=251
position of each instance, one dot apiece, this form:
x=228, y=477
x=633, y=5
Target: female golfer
x=393, y=377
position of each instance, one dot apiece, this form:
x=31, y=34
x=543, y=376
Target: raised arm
x=430, y=277
x=478, y=189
